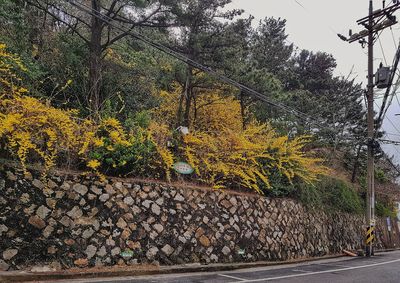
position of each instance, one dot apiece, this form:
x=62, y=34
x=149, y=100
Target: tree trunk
x=188, y=102
x=183, y=116
x=243, y=110
x=95, y=63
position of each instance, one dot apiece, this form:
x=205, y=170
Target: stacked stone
x=71, y=221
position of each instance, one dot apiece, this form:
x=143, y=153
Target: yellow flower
x=110, y=148
x=98, y=142
x=94, y=164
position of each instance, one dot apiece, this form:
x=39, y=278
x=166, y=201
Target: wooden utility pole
x=370, y=213
x=375, y=21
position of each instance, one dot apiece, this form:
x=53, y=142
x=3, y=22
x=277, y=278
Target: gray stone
x=214, y=258
x=155, y=209
x=110, y=242
x=118, y=185
x=96, y=190
x=75, y=212
x=102, y=251
x=47, y=231
x=9, y=254
x=104, y=197
x=65, y=186
x=90, y=251
x=135, y=209
x=96, y=224
x=146, y=226
x=110, y=190
x=66, y=221
x=11, y=176
x=38, y=184
x=59, y=194
x=147, y=203
x=87, y=233
x=121, y=223
x=25, y=198
x=225, y=250
x=160, y=201
x=3, y=265
x=151, y=253
x=51, y=184
x=42, y=211
x=182, y=239
x=158, y=227
x=179, y=197
x=80, y=189
x=129, y=200
x=3, y=229
x=115, y=251
x=168, y=250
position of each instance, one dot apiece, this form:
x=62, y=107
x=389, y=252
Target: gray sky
x=313, y=25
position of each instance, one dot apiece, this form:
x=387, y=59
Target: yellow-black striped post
x=369, y=237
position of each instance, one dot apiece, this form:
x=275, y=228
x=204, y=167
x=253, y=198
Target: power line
x=195, y=64
x=394, y=40
x=385, y=106
x=383, y=52
x=398, y=101
x=390, y=121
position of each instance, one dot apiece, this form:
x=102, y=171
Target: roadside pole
x=375, y=22
x=370, y=213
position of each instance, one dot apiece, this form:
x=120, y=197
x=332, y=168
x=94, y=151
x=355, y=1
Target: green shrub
x=132, y=159
x=384, y=209
x=381, y=176
x=332, y=195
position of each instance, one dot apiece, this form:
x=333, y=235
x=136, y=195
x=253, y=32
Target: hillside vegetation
x=78, y=93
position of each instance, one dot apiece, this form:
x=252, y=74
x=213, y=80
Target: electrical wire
x=397, y=98
x=394, y=40
x=385, y=106
x=193, y=63
x=383, y=52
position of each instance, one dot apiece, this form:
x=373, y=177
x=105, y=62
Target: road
x=384, y=267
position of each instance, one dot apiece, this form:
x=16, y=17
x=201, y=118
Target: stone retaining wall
x=74, y=221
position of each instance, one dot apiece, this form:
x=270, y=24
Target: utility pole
x=375, y=21
x=370, y=213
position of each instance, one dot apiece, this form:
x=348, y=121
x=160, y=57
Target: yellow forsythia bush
x=224, y=155
x=34, y=131
x=28, y=127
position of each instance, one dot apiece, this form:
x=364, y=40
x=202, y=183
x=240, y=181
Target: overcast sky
x=313, y=25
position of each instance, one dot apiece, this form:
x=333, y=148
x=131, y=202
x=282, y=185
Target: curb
x=26, y=276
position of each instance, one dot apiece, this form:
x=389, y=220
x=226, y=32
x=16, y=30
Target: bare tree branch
x=57, y=18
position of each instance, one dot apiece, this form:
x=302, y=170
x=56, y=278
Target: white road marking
x=233, y=277
x=299, y=270
x=319, y=272
x=331, y=265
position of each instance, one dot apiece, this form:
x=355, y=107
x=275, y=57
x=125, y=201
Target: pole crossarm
x=381, y=19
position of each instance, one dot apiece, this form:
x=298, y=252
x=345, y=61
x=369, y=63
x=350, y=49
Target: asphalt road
x=384, y=267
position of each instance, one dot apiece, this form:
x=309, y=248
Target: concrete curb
x=26, y=276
